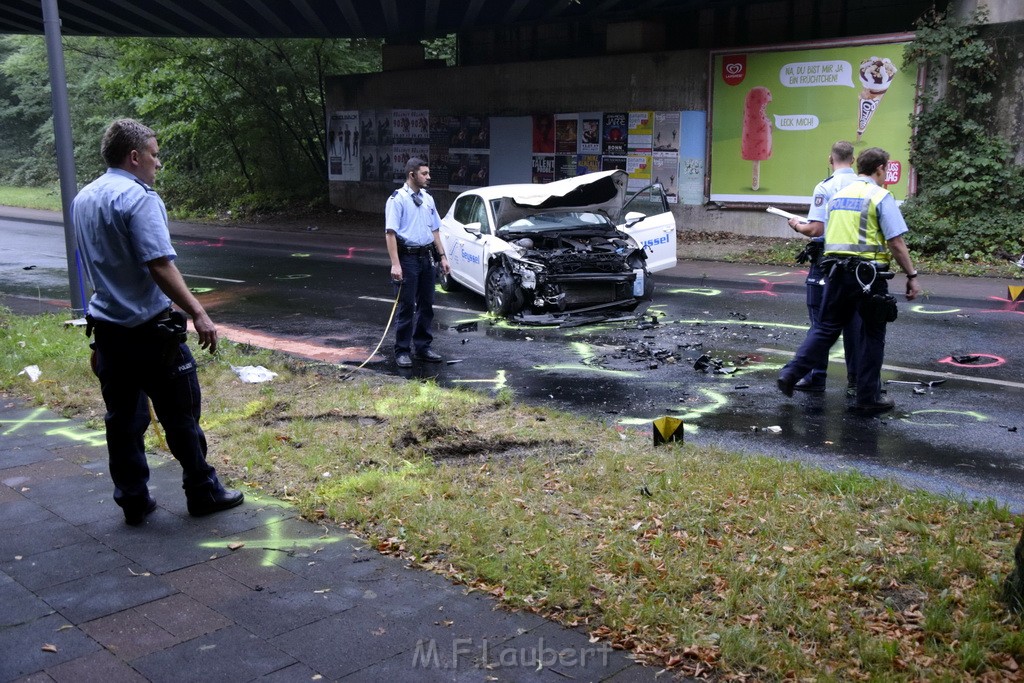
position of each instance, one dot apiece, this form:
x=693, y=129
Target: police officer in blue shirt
x=139, y=349
x=863, y=235
x=411, y=226
x=840, y=160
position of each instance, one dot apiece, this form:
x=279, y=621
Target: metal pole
x=65, y=147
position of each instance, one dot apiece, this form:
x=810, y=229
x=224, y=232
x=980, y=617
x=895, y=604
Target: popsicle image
x=876, y=76
x=756, y=142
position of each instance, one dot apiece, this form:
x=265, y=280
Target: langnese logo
x=893, y=172
x=734, y=69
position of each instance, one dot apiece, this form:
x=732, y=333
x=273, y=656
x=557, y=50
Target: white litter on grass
x=33, y=372
x=253, y=374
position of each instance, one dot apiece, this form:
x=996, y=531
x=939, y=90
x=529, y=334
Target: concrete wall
x=658, y=81
x=661, y=81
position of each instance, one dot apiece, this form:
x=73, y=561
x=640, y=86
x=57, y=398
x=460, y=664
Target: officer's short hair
x=414, y=164
x=121, y=137
x=870, y=159
x=842, y=152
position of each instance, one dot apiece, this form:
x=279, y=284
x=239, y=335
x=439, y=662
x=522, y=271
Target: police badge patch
x=819, y=199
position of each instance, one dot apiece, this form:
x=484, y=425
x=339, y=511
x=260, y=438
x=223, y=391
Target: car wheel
x=503, y=297
x=448, y=284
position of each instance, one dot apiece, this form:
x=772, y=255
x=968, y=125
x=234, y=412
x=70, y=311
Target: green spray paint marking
x=700, y=291
x=978, y=417
x=717, y=402
x=276, y=543
x=498, y=381
x=300, y=255
x=921, y=308
x=72, y=433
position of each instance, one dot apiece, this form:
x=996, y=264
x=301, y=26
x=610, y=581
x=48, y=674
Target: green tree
x=242, y=122
x=27, y=147
x=970, y=201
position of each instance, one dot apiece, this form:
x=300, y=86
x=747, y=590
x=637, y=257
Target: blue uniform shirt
x=824, y=191
x=121, y=225
x=413, y=223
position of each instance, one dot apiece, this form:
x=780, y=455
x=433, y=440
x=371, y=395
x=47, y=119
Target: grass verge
x=30, y=197
x=704, y=561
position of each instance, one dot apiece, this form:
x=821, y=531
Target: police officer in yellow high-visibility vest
x=864, y=233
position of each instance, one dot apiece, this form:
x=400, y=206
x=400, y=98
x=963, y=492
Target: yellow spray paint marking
x=72, y=433
x=734, y=321
x=771, y=273
x=296, y=276
x=573, y=367
x=717, y=402
x=978, y=417
x=247, y=411
x=200, y=290
x=300, y=255
x=700, y=291
x=275, y=543
x=499, y=380
x=928, y=310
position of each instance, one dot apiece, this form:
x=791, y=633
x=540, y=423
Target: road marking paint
x=917, y=371
x=218, y=279
x=436, y=307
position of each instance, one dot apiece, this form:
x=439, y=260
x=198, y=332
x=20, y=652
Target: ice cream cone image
x=756, y=141
x=876, y=76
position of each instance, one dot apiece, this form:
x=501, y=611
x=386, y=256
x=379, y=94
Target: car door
x=466, y=248
x=656, y=231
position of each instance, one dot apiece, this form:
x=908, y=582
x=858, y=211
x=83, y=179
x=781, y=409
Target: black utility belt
x=169, y=323
x=416, y=251
x=853, y=263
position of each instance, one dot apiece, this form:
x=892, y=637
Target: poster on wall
x=588, y=163
x=774, y=110
x=639, y=168
x=589, y=133
x=343, y=161
x=566, y=133
x=641, y=129
x=384, y=128
x=665, y=134
x=693, y=127
x=565, y=166
x=611, y=163
x=543, y=168
x=614, y=133
x=665, y=172
x=543, y=134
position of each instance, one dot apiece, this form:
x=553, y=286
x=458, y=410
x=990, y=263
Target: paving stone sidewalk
x=87, y=598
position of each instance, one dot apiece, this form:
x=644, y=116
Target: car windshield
x=561, y=220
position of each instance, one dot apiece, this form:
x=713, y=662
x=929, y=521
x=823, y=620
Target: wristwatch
x=911, y=276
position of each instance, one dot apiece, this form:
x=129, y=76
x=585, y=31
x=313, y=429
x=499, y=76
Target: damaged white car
x=574, y=248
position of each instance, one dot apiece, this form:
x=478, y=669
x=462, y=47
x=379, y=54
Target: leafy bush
x=970, y=201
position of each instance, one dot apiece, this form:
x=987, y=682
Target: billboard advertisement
x=776, y=114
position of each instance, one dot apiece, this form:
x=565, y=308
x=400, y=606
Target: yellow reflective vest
x=853, y=228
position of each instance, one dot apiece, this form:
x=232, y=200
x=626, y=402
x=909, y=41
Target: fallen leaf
x=49, y=647
x=236, y=545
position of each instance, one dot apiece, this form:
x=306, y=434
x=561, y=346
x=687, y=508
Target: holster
x=879, y=308
x=811, y=252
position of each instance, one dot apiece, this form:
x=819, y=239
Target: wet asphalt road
x=960, y=437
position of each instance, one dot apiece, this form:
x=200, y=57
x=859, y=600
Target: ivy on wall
x=970, y=200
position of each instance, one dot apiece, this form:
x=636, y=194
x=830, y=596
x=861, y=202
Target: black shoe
x=403, y=360
x=873, y=408
x=785, y=385
x=810, y=386
x=207, y=502
x=136, y=514
x=429, y=356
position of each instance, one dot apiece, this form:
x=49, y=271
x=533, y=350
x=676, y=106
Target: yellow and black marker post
x=668, y=429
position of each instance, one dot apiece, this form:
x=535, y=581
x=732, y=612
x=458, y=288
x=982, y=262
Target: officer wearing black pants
x=122, y=236
x=863, y=234
x=411, y=232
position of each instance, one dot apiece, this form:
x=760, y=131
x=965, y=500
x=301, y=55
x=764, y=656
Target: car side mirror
x=634, y=217
x=473, y=228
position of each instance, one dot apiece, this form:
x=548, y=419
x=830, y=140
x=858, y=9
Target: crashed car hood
x=604, y=191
